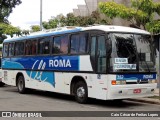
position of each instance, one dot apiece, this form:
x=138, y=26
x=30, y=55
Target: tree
x=6, y=7
x=7, y=29
x=98, y=18
x=35, y=28
x=51, y=24
x=140, y=14
x=71, y=20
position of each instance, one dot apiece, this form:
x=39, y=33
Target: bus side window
x=79, y=43
x=44, y=46
x=19, y=48
x=64, y=44
x=11, y=49
x=56, y=45
x=5, y=50
x=60, y=44
x=33, y=47
x=28, y=48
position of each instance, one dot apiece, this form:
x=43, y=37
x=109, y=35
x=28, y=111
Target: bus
x=102, y=62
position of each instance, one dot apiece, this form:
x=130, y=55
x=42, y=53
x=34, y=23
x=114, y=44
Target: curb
x=146, y=100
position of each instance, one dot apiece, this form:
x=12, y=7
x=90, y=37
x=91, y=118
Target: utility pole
x=159, y=64
x=41, y=15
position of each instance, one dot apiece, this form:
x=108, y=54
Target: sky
x=28, y=12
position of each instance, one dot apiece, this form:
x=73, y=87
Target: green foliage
x=157, y=8
x=6, y=7
x=51, y=24
x=7, y=29
x=71, y=20
x=154, y=26
x=35, y=28
x=140, y=14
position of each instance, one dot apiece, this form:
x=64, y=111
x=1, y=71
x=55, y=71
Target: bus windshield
x=131, y=53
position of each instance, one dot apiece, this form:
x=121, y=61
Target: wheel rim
x=20, y=84
x=81, y=92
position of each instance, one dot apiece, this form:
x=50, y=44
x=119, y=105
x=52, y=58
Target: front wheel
x=1, y=84
x=81, y=92
x=21, y=85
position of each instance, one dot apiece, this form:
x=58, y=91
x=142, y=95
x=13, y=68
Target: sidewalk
x=149, y=100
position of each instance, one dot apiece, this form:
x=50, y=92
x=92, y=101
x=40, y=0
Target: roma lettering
x=60, y=63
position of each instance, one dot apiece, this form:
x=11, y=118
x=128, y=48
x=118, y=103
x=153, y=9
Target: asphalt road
x=11, y=100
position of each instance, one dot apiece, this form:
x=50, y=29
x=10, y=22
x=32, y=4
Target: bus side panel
x=8, y=77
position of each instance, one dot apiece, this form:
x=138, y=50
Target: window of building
x=11, y=49
x=19, y=48
x=79, y=43
x=60, y=44
x=44, y=46
x=5, y=50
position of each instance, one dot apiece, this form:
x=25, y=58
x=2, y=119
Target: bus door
x=98, y=53
x=98, y=60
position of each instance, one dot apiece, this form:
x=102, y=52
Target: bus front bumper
x=131, y=91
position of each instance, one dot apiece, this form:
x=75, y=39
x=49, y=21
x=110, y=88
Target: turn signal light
x=113, y=82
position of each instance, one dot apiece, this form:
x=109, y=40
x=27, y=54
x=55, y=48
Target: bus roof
x=107, y=28
x=111, y=28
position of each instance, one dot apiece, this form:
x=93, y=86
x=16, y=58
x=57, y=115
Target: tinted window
x=44, y=46
x=11, y=49
x=30, y=47
x=60, y=44
x=5, y=50
x=19, y=48
x=79, y=43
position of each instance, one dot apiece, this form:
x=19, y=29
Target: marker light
x=113, y=82
x=118, y=82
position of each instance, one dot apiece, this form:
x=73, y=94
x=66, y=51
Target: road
x=11, y=100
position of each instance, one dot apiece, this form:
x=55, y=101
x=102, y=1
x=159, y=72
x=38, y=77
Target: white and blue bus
x=102, y=62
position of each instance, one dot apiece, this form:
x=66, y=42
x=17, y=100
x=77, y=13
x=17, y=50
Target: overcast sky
x=28, y=12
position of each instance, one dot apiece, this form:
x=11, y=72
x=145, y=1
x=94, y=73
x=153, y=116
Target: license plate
x=137, y=91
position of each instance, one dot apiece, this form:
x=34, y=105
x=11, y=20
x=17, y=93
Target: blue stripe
x=65, y=63
x=136, y=76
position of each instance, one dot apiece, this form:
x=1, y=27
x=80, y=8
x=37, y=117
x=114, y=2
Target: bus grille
x=138, y=82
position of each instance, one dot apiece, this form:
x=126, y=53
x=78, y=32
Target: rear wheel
x=21, y=84
x=81, y=92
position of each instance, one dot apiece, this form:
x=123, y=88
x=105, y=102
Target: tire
x=81, y=92
x=1, y=84
x=21, y=85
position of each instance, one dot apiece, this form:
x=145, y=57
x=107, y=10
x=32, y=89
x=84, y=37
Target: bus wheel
x=21, y=84
x=81, y=92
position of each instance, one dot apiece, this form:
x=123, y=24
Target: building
x=83, y=11
x=92, y=5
